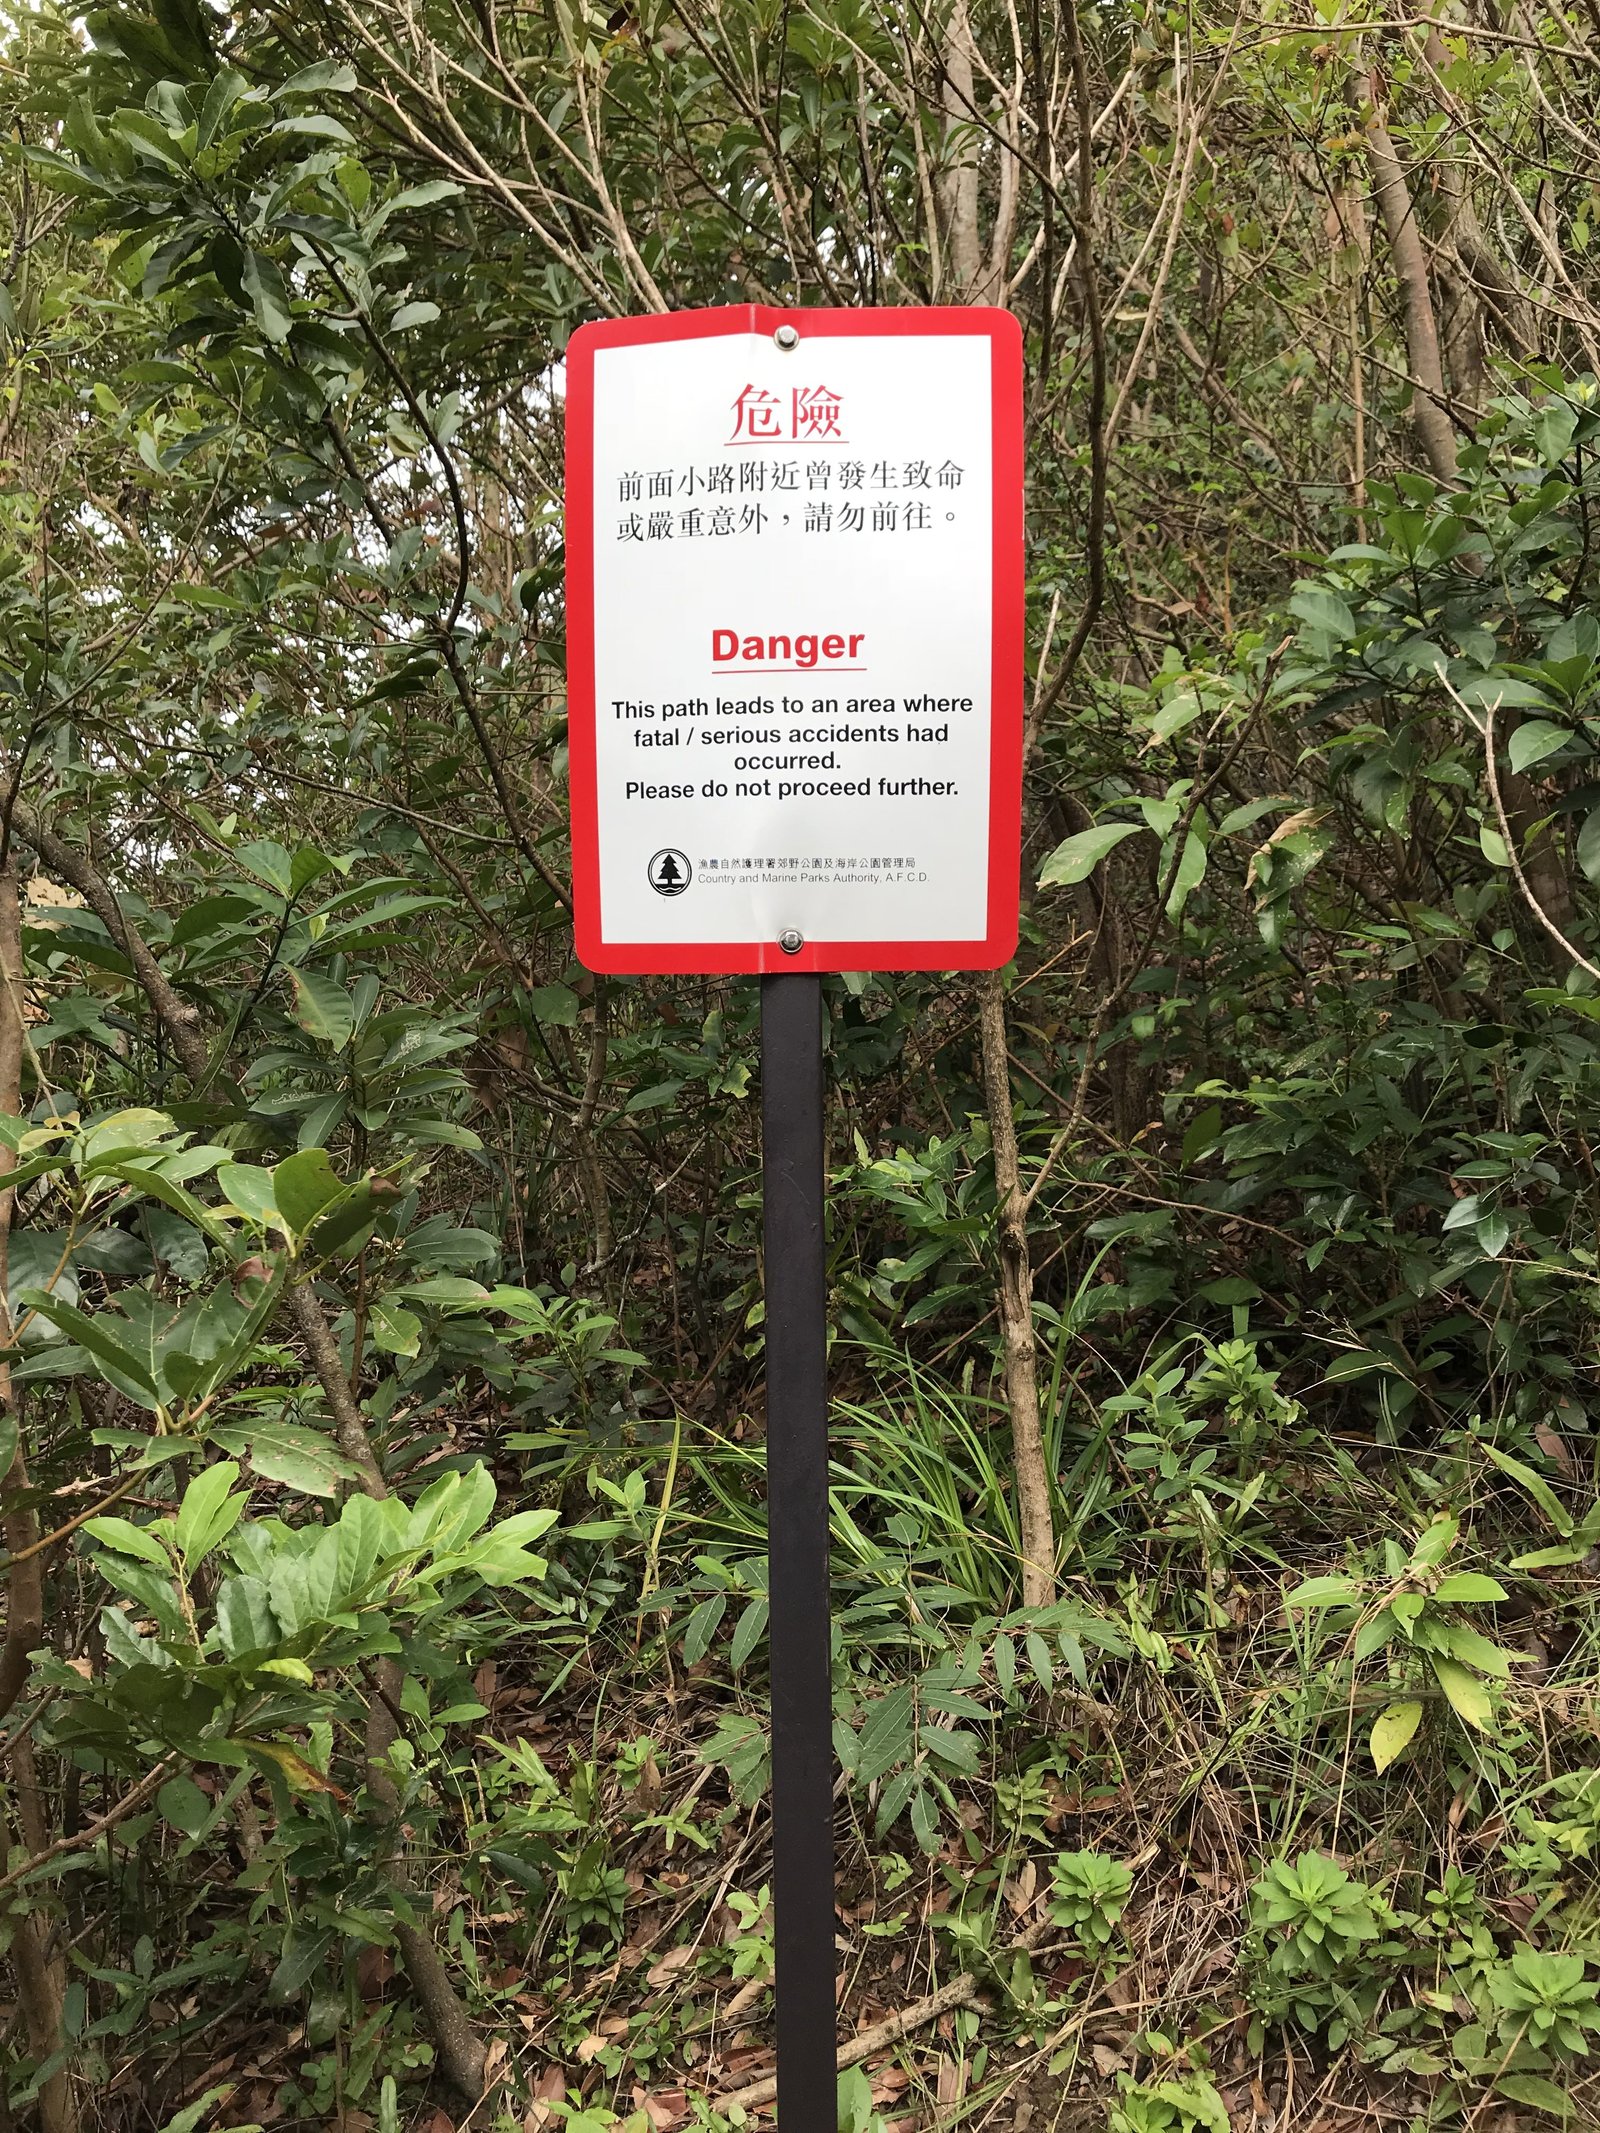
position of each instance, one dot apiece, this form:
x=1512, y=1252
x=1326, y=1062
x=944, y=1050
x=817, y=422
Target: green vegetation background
x=1216, y=1469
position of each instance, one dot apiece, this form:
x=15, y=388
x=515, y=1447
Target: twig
x=93, y=1830
x=959, y=1992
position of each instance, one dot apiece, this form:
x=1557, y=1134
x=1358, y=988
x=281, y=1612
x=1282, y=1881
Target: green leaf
x=1469, y=1586
x=1493, y=846
x=886, y=1736
x=322, y=1008
x=118, y=1361
x=1495, y=692
x=250, y=1191
x=309, y=865
x=1322, y=609
x=331, y=77
x=1537, y=1487
x=1469, y=1698
x=302, y=1186
x=1076, y=859
x=751, y=1628
x=288, y=1452
x=128, y=1539
x=184, y=1806
x=557, y=1004
x=1535, y=739
x=208, y=1512
x=1324, y=1592
x=269, y=299
x=1191, y=872
x=702, y=1627
x=1534, y=2089
x=394, y=1329
x=267, y=861
x=1392, y=1731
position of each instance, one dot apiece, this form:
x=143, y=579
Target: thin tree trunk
x=964, y=249
x=1019, y=1353
x=39, y=1971
x=958, y=183
x=1429, y=401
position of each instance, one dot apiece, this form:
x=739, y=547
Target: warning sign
x=794, y=596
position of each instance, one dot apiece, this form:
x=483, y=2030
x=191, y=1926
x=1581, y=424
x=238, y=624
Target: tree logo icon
x=669, y=873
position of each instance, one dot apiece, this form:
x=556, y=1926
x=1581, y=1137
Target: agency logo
x=669, y=873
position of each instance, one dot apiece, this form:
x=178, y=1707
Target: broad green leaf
x=184, y=1806
x=1469, y=1585
x=1496, y=692
x=394, y=1329
x=1436, y=1540
x=322, y=1008
x=554, y=1003
x=1538, y=2090
x=1392, y=1731
x=302, y=1186
x=325, y=77
x=1534, y=740
x=208, y=1512
x=1076, y=859
x=751, y=1628
x=886, y=1736
x=288, y=1452
x=309, y=865
x=127, y=1539
x=250, y=1191
x=110, y=1349
x=269, y=298
x=268, y=862
x=1323, y=609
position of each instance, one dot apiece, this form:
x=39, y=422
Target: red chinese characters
x=808, y=413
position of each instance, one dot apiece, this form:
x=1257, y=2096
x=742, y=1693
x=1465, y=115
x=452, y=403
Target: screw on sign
x=794, y=636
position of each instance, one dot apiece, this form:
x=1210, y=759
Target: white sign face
x=794, y=639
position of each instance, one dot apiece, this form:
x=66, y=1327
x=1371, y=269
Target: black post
x=797, y=1546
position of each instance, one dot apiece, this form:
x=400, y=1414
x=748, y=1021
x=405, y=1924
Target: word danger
x=801, y=651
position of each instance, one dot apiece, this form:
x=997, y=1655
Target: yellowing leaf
x=1468, y=1697
x=1392, y=1732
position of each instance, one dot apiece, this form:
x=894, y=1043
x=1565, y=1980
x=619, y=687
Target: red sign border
x=735, y=958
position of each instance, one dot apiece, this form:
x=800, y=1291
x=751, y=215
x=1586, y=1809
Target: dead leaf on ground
x=590, y=2048
x=1106, y=2061
x=1554, y=1446
x=670, y=1964
x=952, y=2083
x=549, y=2089
x=1124, y=1991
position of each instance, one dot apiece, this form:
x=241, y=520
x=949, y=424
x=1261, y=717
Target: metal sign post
x=794, y=693
x=797, y=1546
